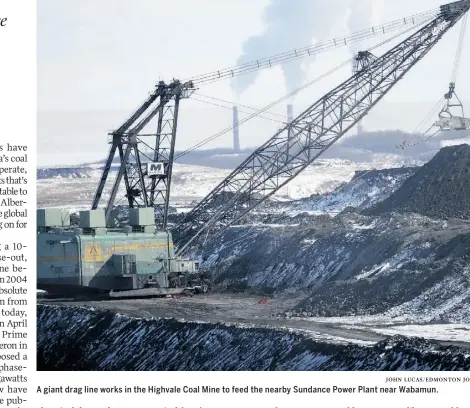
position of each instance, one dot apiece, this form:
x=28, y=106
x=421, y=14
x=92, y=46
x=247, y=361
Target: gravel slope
x=439, y=189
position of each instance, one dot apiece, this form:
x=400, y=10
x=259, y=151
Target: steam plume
x=289, y=25
x=294, y=24
x=360, y=18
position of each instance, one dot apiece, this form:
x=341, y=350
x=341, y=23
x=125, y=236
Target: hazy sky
x=97, y=60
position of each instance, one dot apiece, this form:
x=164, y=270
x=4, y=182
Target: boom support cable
x=241, y=111
x=232, y=103
x=287, y=153
x=282, y=99
x=312, y=50
x=262, y=110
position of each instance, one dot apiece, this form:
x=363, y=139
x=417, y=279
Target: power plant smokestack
x=236, y=135
x=290, y=118
x=362, y=60
x=290, y=113
x=361, y=13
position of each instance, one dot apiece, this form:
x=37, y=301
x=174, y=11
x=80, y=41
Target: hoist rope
x=458, y=54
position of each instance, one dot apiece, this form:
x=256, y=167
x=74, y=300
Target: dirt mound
x=82, y=339
x=439, y=189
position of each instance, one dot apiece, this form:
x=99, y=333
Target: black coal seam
x=71, y=338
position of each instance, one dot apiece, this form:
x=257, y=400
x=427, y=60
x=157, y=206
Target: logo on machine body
x=155, y=169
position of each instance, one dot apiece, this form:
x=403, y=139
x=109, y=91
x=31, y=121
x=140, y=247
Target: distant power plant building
x=236, y=134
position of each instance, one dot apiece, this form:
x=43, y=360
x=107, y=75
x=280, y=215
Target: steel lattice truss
x=297, y=145
x=137, y=150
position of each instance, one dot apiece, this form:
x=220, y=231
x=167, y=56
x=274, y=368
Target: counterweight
x=309, y=135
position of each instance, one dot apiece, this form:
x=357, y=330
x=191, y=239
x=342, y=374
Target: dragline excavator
x=103, y=254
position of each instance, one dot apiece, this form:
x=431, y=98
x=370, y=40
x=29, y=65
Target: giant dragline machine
x=148, y=251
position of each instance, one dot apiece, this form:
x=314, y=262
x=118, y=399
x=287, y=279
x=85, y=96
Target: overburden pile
x=439, y=189
x=83, y=339
x=364, y=190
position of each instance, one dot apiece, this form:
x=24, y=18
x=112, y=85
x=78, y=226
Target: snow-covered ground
x=392, y=326
x=75, y=190
x=365, y=189
x=413, y=267
x=444, y=332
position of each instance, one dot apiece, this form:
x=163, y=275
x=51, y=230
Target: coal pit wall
x=84, y=339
